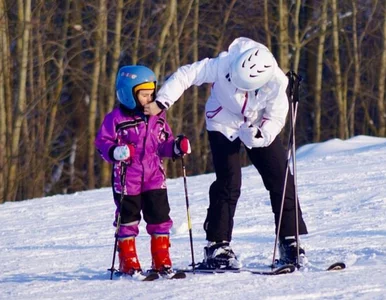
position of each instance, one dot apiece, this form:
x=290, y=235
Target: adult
x=248, y=104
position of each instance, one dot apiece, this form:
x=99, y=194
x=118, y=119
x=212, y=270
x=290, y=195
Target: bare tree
x=172, y=10
x=4, y=85
x=381, y=84
x=339, y=88
x=268, y=38
x=59, y=59
x=94, y=92
x=23, y=42
x=113, y=68
x=319, y=73
x=138, y=32
x=283, y=38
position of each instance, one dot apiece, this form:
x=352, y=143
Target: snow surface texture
x=60, y=247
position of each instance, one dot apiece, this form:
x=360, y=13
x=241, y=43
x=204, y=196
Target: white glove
x=123, y=152
x=253, y=137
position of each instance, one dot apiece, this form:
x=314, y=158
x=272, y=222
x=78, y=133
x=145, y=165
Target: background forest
x=58, y=62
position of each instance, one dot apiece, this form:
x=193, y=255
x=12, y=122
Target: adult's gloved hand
x=181, y=146
x=124, y=152
x=253, y=137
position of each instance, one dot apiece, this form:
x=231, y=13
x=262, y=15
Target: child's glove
x=124, y=152
x=253, y=137
x=181, y=146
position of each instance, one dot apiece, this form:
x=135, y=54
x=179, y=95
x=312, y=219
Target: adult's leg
x=271, y=163
x=225, y=190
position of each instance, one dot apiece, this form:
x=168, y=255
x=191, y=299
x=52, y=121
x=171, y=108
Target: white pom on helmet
x=252, y=69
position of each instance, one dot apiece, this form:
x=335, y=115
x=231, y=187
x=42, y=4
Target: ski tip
x=286, y=269
x=151, y=277
x=337, y=266
x=179, y=275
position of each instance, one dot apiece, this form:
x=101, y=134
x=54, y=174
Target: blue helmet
x=129, y=78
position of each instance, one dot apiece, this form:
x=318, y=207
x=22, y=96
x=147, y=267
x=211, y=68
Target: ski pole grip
x=293, y=86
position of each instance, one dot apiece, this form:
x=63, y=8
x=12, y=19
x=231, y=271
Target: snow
x=60, y=247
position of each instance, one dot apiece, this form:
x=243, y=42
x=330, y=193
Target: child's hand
x=181, y=146
x=124, y=152
x=151, y=109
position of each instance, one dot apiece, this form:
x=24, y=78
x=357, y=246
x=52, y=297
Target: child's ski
x=139, y=276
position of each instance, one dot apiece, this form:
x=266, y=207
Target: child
x=127, y=136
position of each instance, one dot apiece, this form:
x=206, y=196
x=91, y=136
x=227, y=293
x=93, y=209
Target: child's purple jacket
x=153, y=140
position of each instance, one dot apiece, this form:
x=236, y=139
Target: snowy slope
x=60, y=247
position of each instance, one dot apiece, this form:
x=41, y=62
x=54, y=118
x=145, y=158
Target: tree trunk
x=94, y=93
x=25, y=23
x=106, y=167
x=137, y=32
x=197, y=145
x=283, y=36
x=319, y=74
x=339, y=96
x=165, y=31
x=268, y=37
x=381, y=85
x=356, y=85
x=297, y=42
x=4, y=74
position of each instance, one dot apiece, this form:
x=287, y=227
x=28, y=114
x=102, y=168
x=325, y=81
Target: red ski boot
x=160, y=252
x=128, y=259
x=161, y=262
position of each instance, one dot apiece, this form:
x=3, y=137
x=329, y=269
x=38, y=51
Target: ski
x=286, y=269
x=139, y=276
x=308, y=266
x=174, y=275
x=169, y=274
x=336, y=266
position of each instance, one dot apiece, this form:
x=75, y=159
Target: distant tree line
x=59, y=59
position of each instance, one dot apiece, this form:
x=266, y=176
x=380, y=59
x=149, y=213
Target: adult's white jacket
x=228, y=107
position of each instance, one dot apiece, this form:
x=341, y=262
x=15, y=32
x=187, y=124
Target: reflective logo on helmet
x=129, y=75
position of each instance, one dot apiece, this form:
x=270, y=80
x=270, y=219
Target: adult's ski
x=286, y=269
x=337, y=266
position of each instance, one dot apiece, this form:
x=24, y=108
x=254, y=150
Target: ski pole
x=123, y=177
x=293, y=97
x=295, y=101
x=188, y=213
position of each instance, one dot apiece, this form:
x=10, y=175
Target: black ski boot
x=220, y=255
x=288, y=252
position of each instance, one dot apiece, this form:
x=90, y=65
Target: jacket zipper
x=144, y=149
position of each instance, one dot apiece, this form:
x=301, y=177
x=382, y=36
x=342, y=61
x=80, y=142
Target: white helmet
x=252, y=69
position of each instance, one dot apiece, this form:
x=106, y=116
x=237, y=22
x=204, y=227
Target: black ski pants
x=225, y=190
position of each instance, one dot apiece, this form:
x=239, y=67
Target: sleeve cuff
x=160, y=105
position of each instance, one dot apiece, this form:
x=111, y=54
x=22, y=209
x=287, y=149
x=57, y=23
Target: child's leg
x=128, y=230
x=156, y=214
x=130, y=215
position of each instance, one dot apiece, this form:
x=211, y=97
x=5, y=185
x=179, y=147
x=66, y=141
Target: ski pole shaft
x=123, y=177
x=293, y=97
x=188, y=212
